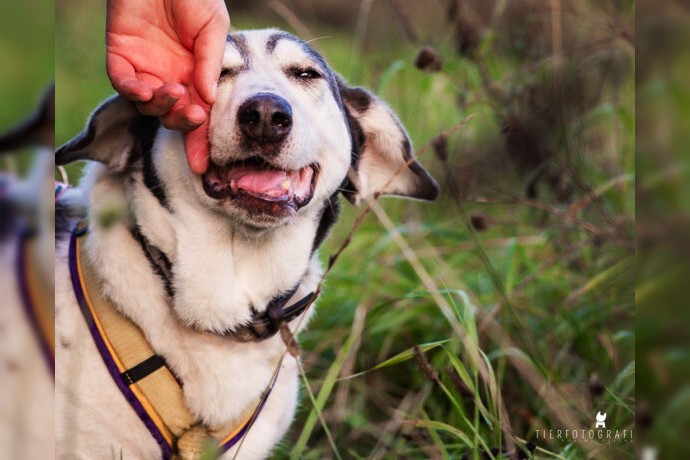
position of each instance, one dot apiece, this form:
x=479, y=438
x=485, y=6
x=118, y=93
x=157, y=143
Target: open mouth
x=260, y=187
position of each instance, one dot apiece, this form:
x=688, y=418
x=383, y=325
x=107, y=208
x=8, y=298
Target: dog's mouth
x=260, y=187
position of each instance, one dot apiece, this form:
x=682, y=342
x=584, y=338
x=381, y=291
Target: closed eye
x=228, y=72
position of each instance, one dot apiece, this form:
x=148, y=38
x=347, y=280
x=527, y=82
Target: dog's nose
x=266, y=118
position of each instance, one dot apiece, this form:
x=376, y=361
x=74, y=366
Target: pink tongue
x=260, y=181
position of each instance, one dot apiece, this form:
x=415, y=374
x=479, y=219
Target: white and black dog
x=26, y=290
x=209, y=266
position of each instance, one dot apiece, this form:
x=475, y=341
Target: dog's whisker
x=315, y=39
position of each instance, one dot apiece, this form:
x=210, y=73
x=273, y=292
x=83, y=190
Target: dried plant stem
x=558, y=406
x=557, y=47
x=292, y=19
x=362, y=23
x=409, y=403
x=447, y=310
x=356, y=332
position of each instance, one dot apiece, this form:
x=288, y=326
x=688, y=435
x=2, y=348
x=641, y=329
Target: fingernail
x=191, y=126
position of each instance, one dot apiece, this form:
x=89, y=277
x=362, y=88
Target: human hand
x=165, y=55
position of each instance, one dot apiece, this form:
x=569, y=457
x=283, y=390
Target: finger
x=163, y=100
x=184, y=117
x=209, y=46
x=189, y=112
x=124, y=79
x=196, y=141
x=197, y=147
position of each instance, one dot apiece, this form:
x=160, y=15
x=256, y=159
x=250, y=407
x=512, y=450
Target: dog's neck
x=219, y=274
x=222, y=270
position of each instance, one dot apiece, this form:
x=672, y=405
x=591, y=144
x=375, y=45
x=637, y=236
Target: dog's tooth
x=233, y=185
x=286, y=184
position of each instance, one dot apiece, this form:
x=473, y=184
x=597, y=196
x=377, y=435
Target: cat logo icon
x=601, y=420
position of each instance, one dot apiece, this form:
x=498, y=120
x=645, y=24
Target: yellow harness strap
x=38, y=301
x=144, y=373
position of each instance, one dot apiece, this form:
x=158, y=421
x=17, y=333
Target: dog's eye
x=228, y=72
x=305, y=74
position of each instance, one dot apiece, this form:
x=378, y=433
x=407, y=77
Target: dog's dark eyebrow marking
x=273, y=40
x=240, y=44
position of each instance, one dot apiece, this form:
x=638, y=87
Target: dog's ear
x=38, y=129
x=381, y=148
x=112, y=135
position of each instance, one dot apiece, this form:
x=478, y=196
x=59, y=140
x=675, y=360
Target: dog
x=215, y=271
x=26, y=289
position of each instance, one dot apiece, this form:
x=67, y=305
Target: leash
x=142, y=376
x=39, y=308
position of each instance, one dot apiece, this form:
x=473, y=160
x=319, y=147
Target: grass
x=27, y=59
x=459, y=328
x=27, y=68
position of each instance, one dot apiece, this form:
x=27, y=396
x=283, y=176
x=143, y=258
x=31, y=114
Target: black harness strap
x=143, y=369
x=263, y=326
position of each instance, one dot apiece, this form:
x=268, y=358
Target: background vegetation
x=456, y=329
x=27, y=59
x=26, y=68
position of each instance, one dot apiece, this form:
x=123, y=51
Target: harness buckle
x=193, y=443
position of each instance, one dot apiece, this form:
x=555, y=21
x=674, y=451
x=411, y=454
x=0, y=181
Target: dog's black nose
x=266, y=118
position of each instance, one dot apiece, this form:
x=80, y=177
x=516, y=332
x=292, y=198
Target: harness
x=263, y=325
x=39, y=307
x=143, y=377
x=38, y=303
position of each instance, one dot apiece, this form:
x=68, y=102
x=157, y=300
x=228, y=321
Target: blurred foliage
x=531, y=245
x=27, y=54
x=663, y=210
x=28, y=59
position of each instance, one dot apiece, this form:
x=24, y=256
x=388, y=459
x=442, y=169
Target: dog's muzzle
x=261, y=188
x=265, y=119
x=255, y=182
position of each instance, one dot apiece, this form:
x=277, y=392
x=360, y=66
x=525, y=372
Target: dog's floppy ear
x=381, y=147
x=38, y=129
x=112, y=135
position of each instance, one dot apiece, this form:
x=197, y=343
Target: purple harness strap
x=103, y=349
x=30, y=307
x=117, y=376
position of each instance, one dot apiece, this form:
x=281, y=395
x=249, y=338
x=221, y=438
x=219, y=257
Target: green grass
x=27, y=58
x=515, y=326
x=27, y=68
